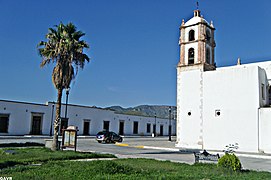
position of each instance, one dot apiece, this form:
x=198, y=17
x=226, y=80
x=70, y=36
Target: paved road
x=154, y=148
x=135, y=150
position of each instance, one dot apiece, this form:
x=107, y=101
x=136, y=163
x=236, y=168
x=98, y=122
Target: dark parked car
x=107, y=137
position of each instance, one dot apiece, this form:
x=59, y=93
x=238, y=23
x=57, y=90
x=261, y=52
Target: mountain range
x=146, y=110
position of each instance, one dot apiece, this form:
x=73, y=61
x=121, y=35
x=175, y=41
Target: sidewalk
x=252, y=161
x=162, y=143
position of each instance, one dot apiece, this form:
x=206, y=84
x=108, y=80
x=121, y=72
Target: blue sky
x=134, y=46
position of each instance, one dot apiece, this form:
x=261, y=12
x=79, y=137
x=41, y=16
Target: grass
x=25, y=156
x=119, y=169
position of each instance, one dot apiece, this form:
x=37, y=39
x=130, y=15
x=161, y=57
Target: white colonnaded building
x=25, y=118
x=219, y=106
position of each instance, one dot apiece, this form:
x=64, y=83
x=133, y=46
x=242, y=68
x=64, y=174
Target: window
x=191, y=35
x=135, y=131
x=208, y=55
x=191, y=56
x=106, y=125
x=4, y=120
x=217, y=112
x=148, y=128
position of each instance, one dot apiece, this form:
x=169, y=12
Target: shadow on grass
x=10, y=164
x=27, y=144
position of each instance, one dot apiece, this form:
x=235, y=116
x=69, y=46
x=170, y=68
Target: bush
x=230, y=161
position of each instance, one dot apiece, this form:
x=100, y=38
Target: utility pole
x=169, y=124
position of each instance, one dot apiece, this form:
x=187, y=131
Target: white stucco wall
x=265, y=130
x=142, y=124
x=234, y=91
x=20, y=122
x=189, y=95
x=178, y=104
x=266, y=65
x=20, y=119
x=77, y=114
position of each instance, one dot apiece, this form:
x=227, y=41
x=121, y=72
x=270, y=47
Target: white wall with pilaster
x=265, y=130
x=188, y=101
x=234, y=92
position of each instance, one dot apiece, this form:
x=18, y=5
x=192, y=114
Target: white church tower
x=197, y=47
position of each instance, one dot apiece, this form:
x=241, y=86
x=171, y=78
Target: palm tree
x=64, y=49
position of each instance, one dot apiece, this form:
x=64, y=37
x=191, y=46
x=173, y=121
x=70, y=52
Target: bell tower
x=197, y=44
x=197, y=48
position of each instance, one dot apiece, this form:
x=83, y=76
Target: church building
x=219, y=106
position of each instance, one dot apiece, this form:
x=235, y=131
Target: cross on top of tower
x=197, y=11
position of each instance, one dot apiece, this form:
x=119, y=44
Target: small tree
x=65, y=49
x=230, y=160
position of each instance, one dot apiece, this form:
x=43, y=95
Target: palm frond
x=63, y=47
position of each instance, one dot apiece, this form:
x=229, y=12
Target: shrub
x=230, y=161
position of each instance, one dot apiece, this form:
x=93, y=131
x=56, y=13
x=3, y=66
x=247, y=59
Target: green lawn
x=25, y=156
x=53, y=168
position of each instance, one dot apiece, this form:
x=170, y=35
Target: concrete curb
x=162, y=148
x=95, y=159
x=147, y=147
x=121, y=144
x=258, y=156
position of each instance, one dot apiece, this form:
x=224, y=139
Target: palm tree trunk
x=57, y=120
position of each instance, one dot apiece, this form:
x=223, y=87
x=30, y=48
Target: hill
x=146, y=110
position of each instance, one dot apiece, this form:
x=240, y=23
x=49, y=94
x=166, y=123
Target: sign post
x=69, y=137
